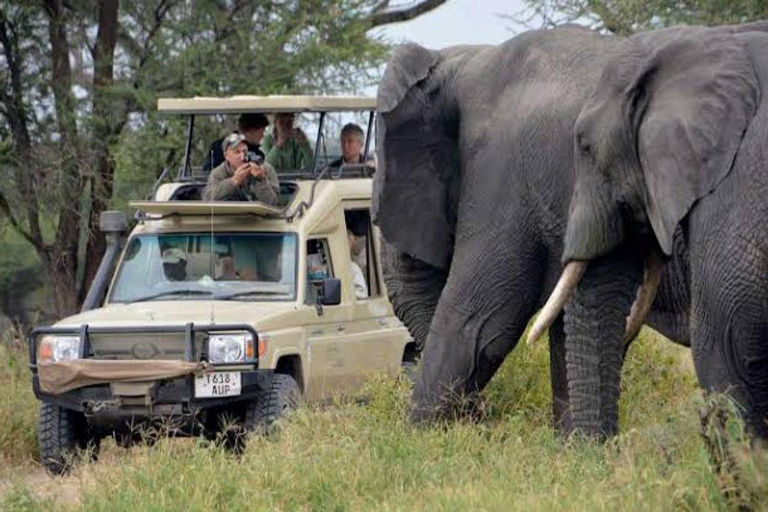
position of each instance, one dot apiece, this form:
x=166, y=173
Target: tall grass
x=18, y=407
x=367, y=457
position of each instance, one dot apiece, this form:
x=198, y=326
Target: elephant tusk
x=645, y=296
x=560, y=295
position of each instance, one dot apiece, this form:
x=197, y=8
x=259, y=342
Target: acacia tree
x=623, y=17
x=77, y=75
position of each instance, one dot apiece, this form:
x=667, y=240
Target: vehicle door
x=326, y=326
x=375, y=338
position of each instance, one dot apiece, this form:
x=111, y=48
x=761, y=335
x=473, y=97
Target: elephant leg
x=595, y=321
x=492, y=290
x=729, y=325
x=561, y=407
x=413, y=288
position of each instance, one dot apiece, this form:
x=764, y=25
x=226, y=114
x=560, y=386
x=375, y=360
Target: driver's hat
x=174, y=255
x=232, y=140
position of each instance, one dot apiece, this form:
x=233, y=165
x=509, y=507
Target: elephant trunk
x=560, y=295
x=645, y=296
x=595, y=320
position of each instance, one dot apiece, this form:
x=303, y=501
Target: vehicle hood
x=179, y=313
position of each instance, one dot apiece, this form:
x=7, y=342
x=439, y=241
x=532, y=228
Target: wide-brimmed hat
x=174, y=255
x=231, y=140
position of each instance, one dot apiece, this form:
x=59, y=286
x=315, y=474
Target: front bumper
x=165, y=398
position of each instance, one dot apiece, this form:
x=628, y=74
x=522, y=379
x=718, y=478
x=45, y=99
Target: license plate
x=216, y=384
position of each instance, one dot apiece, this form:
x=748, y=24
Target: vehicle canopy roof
x=201, y=105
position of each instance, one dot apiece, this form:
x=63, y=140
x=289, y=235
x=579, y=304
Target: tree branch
x=36, y=242
x=17, y=118
x=397, y=15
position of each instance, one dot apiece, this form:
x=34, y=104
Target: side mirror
x=331, y=294
x=113, y=221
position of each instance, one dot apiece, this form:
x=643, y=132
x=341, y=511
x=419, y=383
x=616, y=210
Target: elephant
x=670, y=150
x=475, y=154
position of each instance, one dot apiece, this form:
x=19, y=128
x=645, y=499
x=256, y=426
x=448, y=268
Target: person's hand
x=282, y=136
x=299, y=135
x=258, y=172
x=241, y=174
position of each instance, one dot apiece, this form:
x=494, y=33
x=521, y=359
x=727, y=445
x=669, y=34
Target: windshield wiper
x=172, y=292
x=235, y=295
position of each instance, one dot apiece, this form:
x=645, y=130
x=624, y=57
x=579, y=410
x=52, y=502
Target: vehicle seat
x=199, y=265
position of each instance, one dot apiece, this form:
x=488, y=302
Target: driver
x=174, y=264
x=238, y=179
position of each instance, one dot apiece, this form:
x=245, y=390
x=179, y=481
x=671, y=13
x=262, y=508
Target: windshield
x=201, y=266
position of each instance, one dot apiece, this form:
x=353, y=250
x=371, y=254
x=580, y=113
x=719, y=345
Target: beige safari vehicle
x=223, y=310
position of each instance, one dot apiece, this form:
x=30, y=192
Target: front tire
x=281, y=396
x=63, y=435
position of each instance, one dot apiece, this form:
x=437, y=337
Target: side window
x=362, y=255
x=319, y=266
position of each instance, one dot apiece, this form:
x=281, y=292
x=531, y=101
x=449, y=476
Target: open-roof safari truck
x=214, y=311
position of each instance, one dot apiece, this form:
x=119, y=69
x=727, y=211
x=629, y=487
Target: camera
x=254, y=157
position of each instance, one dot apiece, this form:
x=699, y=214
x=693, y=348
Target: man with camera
x=252, y=126
x=243, y=176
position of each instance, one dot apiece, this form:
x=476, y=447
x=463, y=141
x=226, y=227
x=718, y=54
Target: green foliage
x=627, y=16
x=19, y=498
x=20, y=276
x=83, y=140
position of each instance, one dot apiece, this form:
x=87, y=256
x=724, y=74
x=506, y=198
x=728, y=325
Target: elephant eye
x=585, y=148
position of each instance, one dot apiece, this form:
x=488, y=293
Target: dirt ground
x=64, y=490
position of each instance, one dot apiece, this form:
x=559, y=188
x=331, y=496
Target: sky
x=459, y=22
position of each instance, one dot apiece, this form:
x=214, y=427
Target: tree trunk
x=106, y=126
x=61, y=260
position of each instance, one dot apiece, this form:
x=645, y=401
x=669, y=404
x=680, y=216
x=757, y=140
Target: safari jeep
x=219, y=312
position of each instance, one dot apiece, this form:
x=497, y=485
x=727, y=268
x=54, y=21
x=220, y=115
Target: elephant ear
x=416, y=157
x=693, y=99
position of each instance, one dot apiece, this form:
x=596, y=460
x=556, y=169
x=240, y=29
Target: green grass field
x=366, y=457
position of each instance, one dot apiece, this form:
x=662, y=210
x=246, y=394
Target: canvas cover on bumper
x=58, y=378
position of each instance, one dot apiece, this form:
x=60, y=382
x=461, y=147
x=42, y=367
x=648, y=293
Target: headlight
x=53, y=349
x=230, y=347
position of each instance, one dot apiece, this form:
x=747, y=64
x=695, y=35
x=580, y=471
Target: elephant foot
x=725, y=446
x=448, y=409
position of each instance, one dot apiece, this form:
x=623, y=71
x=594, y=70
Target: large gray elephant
x=671, y=150
x=475, y=177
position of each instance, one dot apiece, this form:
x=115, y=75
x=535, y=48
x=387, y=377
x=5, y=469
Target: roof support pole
x=368, y=136
x=186, y=170
x=317, y=143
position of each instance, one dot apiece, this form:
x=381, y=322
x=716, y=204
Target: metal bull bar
x=189, y=330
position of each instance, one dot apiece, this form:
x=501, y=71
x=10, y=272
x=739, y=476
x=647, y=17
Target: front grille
x=148, y=346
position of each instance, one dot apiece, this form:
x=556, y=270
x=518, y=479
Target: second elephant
x=672, y=144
